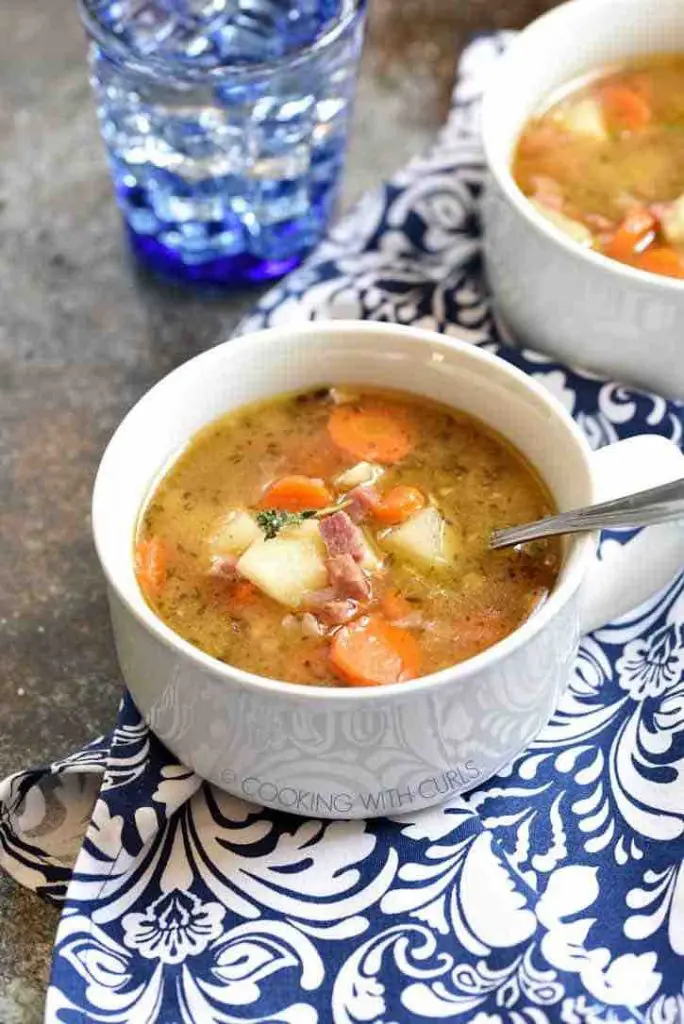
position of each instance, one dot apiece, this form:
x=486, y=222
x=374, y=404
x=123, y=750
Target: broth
x=377, y=507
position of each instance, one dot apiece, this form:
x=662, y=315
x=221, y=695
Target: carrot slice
x=625, y=108
x=399, y=504
x=296, y=493
x=242, y=592
x=151, y=566
x=394, y=605
x=661, y=260
x=635, y=233
x=372, y=652
x=372, y=431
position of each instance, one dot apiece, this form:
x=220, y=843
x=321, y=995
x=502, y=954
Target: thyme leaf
x=272, y=520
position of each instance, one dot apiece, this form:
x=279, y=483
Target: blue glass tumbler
x=225, y=123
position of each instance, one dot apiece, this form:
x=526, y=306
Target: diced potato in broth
x=426, y=539
x=236, y=531
x=334, y=596
x=583, y=117
x=289, y=566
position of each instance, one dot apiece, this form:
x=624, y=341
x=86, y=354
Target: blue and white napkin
x=555, y=893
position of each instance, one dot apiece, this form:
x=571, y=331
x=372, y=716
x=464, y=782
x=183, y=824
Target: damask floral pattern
x=554, y=893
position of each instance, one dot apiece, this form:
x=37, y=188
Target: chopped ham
x=660, y=210
x=225, y=567
x=362, y=501
x=316, y=599
x=341, y=537
x=598, y=222
x=335, y=610
x=548, y=192
x=306, y=624
x=347, y=578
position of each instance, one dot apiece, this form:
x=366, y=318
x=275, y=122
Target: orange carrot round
x=296, y=494
x=394, y=606
x=372, y=652
x=661, y=260
x=242, y=592
x=151, y=566
x=625, y=108
x=371, y=431
x=399, y=504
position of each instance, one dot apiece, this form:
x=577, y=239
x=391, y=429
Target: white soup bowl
x=552, y=293
x=337, y=752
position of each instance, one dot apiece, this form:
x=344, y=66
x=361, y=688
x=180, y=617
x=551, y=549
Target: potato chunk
x=672, y=219
x=236, y=531
x=370, y=560
x=578, y=232
x=287, y=566
x=584, y=117
x=361, y=473
x=425, y=539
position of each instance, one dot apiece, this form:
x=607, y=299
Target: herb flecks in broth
x=340, y=538
x=605, y=164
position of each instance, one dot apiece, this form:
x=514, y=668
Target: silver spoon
x=662, y=504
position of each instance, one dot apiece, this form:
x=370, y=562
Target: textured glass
x=225, y=123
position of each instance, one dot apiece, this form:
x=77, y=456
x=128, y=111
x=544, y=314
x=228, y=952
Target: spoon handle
x=662, y=504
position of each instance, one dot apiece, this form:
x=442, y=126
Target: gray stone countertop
x=83, y=334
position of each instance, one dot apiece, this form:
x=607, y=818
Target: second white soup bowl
x=335, y=752
x=554, y=294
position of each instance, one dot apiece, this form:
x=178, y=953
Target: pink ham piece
x=347, y=578
x=660, y=210
x=307, y=624
x=547, y=191
x=317, y=599
x=363, y=500
x=225, y=567
x=335, y=610
x=338, y=612
x=348, y=583
x=341, y=537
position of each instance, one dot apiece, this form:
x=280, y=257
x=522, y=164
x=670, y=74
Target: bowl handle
x=627, y=574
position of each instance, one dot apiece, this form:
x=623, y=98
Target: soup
x=605, y=164
x=339, y=538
